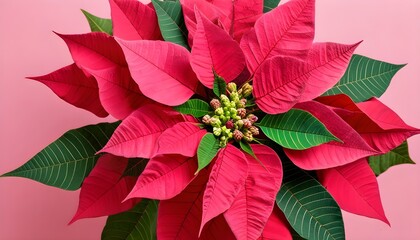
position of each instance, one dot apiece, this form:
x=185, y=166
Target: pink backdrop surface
x=31, y=116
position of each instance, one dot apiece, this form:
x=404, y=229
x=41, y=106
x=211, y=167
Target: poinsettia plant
x=230, y=115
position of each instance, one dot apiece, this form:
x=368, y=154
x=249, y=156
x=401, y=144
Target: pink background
x=31, y=116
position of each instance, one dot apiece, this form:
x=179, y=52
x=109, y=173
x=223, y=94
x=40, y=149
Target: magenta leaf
x=133, y=20
x=94, y=51
x=118, y=92
x=281, y=82
x=227, y=178
x=355, y=189
x=254, y=204
x=287, y=30
x=277, y=227
x=278, y=85
x=162, y=70
x=164, y=177
x=331, y=154
x=72, y=85
x=214, y=51
x=179, y=218
x=138, y=134
x=379, y=126
x=183, y=138
x=105, y=188
x=327, y=64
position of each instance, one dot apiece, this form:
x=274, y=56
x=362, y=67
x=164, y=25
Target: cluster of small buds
x=230, y=119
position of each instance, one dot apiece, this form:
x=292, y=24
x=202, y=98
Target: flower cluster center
x=231, y=119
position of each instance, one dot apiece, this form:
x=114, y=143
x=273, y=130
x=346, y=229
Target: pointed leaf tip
x=355, y=188
x=98, y=24
x=397, y=156
x=73, y=152
x=361, y=86
x=74, y=86
x=104, y=188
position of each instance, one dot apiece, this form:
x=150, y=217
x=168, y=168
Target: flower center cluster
x=231, y=119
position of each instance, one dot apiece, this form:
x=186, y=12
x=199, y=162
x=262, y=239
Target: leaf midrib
x=364, y=79
x=306, y=133
x=50, y=166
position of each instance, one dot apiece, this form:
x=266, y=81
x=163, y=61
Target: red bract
x=139, y=79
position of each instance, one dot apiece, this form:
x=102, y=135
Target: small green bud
x=217, y=131
x=240, y=123
x=248, y=135
x=232, y=87
x=241, y=103
x=246, y=90
x=219, y=111
x=234, y=96
x=215, y=122
x=224, y=99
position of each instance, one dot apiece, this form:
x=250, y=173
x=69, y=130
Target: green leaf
x=365, y=78
x=308, y=207
x=219, y=85
x=98, y=24
x=195, y=107
x=137, y=223
x=399, y=155
x=270, y=5
x=67, y=161
x=207, y=150
x=171, y=22
x=247, y=148
x=296, y=129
